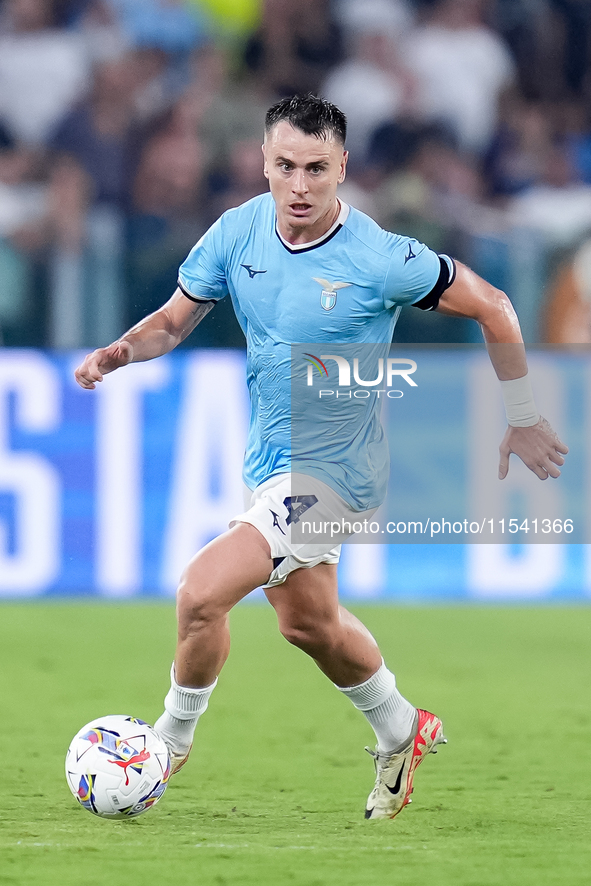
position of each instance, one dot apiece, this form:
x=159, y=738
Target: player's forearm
x=162, y=331
x=472, y=297
x=151, y=338
x=502, y=334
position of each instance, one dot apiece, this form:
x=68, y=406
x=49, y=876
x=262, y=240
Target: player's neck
x=297, y=235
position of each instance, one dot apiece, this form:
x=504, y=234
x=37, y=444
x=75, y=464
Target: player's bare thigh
x=310, y=617
x=307, y=600
x=223, y=572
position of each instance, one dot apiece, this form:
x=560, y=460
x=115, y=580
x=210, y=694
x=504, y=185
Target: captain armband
x=447, y=275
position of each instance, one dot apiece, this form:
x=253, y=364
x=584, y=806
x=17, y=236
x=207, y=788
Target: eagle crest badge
x=328, y=296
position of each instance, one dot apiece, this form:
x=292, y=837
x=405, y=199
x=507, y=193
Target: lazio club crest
x=328, y=296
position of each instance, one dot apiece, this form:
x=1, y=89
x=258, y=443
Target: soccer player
x=281, y=257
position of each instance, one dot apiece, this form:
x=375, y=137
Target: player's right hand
x=100, y=362
x=538, y=447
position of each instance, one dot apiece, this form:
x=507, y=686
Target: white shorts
x=274, y=509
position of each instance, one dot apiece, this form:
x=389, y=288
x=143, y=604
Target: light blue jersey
x=348, y=287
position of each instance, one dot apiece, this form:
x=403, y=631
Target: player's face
x=303, y=173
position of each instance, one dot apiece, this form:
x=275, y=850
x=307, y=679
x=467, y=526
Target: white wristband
x=519, y=402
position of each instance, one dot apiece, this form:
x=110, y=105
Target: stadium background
x=126, y=128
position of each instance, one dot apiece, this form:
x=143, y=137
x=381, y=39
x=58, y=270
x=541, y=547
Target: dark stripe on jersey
x=309, y=248
x=444, y=281
x=200, y=301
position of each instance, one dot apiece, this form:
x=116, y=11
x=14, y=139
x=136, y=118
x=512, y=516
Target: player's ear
x=265, y=169
x=343, y=169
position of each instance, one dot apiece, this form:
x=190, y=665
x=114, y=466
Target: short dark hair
x=310, y=114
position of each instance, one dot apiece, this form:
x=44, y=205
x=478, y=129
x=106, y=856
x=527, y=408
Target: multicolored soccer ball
x=117, y=767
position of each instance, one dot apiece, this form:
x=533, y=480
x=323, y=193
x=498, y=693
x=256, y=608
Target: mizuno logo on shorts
x=276, y=522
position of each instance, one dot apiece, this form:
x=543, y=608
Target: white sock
x=182, y=708
x=391, y=716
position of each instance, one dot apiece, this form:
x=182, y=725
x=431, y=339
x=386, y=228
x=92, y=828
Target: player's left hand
x=538, y=447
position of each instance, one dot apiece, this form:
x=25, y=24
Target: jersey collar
x=334, y=229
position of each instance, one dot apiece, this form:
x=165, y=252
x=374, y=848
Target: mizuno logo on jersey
x=251, y=272
x=328, y=296
x=410, y=254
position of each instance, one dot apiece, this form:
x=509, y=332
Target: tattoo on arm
x=200, y=309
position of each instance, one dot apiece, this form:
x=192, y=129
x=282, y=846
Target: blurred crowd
x=128, y=126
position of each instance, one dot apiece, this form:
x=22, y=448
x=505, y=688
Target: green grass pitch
x=274, y=792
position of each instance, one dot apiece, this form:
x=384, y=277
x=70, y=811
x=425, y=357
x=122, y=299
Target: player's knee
x=306, y=634
x=198, y=604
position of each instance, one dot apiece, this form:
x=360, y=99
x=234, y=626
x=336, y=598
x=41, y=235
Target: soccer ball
x=117, y=767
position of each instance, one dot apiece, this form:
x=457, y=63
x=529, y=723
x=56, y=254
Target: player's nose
x=299, y=182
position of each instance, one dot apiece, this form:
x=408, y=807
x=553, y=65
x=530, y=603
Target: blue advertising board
x=110, y=492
